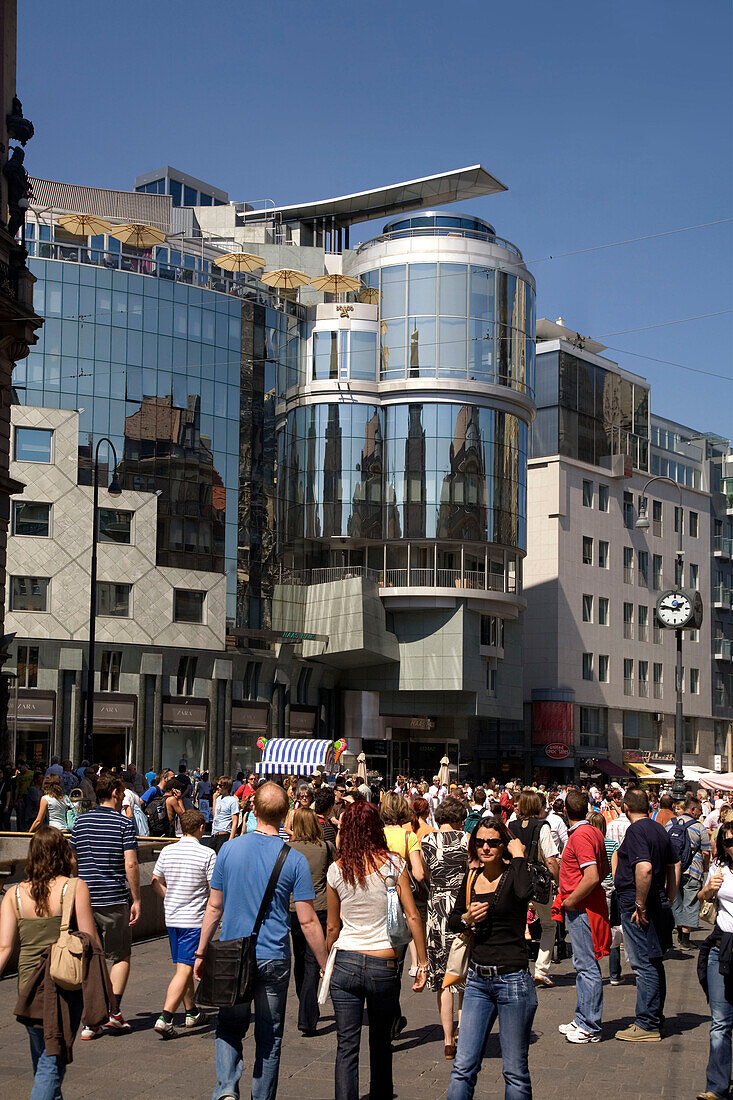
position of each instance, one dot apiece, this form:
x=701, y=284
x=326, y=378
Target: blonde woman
x=53, y=801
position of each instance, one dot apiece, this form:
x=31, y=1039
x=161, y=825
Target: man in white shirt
x=616, y=830
x=433, y=793
x=558, y=828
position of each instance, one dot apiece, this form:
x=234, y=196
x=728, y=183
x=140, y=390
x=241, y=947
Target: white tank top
x=364, y=908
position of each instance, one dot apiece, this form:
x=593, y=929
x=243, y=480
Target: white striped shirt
x=185, y=869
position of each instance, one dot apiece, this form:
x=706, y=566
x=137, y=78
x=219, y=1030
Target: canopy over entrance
x=295, y=756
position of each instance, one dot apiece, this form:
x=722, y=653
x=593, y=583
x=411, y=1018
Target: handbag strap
x=270, y=889
x=68, y=894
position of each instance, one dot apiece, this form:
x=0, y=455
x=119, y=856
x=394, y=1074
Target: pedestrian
x=645, y=876
x=139, y=785
x=499, y=984
x=323, y=805
x=536, y=835
x=365, y=965
x=308, y=839
x=714, y=966
x=665, y=813
x=68, y=778
x=691, y=842
x=583, y=867
x=558, y=824
x=54, y=803
x=7, y=797
x=105, y=844
x=34, y=793
x=55, y=767
x=226, y=814
x=243, y=869
x=614, y=952
x=181, y=876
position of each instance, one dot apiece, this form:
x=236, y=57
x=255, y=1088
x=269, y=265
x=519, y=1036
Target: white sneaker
x=565, y=1028
x=580, y=1035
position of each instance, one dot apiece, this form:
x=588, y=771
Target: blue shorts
x=184, y=942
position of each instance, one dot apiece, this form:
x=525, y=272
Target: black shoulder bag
x=230, y=966
x=539, y=873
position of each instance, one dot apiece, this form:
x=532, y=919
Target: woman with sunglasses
x=717, y=947
x=499, y=983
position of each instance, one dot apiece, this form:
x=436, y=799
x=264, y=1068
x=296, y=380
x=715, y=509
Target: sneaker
x=544, y=983
x=117, y=1022
x=565, y=1028
x=636, y=1034
x=164, y=1029
x=195, y=1019
x=90, y=1032
x=580, y=1035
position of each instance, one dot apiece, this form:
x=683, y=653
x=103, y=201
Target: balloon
x=261, y=742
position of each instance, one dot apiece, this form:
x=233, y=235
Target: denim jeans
x=48, y=1071
x=271, y=991
x=588, y=980
x=513, y=998
x=651, y=983
x=720, y=996
x=307, y=973
x=358, y=979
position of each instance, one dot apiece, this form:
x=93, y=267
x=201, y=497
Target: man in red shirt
x=583, y=867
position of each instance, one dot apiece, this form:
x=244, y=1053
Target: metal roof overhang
x=460, y=185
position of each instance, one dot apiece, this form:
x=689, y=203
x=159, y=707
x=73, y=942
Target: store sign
x=645, y=756
x=33, y=710
x=302, y=721
x=114, y=714
x=250, y=718
x=184, y=714
x=417, y=723
x=556, y=751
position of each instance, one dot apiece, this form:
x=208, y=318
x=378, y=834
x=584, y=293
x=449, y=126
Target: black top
x=646, y=841
x=499, y=940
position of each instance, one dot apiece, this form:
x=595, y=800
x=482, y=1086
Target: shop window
x=109, y=675
x=186, y=675
x=27, y=666
x=113, y=599
x=31, y=519
x=33, y=445
x=252, y=680
x=29, y=593
x=304, y=680
x=114, y=526
x=188, y=606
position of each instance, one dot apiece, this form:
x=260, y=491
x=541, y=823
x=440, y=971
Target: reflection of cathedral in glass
x=462, y=515
x=365, y=521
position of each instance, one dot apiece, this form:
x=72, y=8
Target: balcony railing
x=442, y=231
x=470, y=579
x=722, y=546
x=721, y=596
x=724, y=649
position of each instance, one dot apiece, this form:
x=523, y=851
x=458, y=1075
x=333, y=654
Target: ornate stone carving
x=19, y=190
x=19, y=128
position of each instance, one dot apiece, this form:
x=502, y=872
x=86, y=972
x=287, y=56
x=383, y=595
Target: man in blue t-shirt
x=241, y=875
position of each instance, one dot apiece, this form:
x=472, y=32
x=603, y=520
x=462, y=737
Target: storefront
x=411, y=749
x=250, y=721
x=114, y=723
x=302, y=721
x=31, y=725
x=184, y=734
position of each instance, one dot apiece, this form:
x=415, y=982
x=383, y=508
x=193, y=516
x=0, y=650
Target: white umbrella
x=444, y=774
x=361, y=767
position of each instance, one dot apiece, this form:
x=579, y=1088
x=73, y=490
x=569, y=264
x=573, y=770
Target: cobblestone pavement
x=142, y=1067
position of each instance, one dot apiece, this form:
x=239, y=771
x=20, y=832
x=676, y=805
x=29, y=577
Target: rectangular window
x=639, y=731
x=603, y=665
x=642, y=559
x=109, y=676
x=491, y=677
x=33, y=445
x=587, y=550
x=186, y=675
x=658, y=683
x=252, y=680
x=694, y=681
x=188, y=606
x=628, y=621
x=679, y=519
x=643, y=679
x=603, y=611
x=628, y=565
x=587, y=494
x=628, y=510
x=594, y=727
x=602, y=554
x=492, y=631
x=587, y=666
x=642, y=623
x=628, y=676
x=657, y=518
x=602, y=498
x=694, y=524
x=31, y=519
x=694, y=574
x=27, y=666
x=28, y=593
x=657, y=566
x=587, y=609
x=114, y=526
x=689, y=736
x=113, y=599
x=656, y=632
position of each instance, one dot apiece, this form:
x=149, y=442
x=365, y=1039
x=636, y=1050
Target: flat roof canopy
x=461, y=185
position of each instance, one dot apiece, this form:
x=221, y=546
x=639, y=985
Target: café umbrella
x=84, y=225
x=285, y=278
x=240, y=261
x=361, y=767
x=138, y=235
x=444, y=774
x=335, y=284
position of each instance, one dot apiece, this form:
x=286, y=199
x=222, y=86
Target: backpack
x=472, y=820
x=142, y=828
x=679, y=835
x=157, y=817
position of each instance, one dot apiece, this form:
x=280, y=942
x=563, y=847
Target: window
x=186, y=675
x=31, y=519
x=694, y=574
x=304, y=680
x=603, y=611
x=492, y=631
x=639, y=731
x=657, y=566
x=602, y=498
x=188, y=606
x=694, y=524
x=32, y=445
x=694, y=681
x=587, y=666
x=29, y=594
x=656, y=631
x=721, y=738
x=594, y=727
x=587, y=550
x=603, y=664
x=642, y=621
x=113, y=599
x=693, y=635
x=658, y=674
x=642, y=559
x=491, y=677
x=628, y=621
x=628, y=676
x=628, y=565
x=587, y=609
x=27, y=666
x=679, y=519
x=628, y=510
x=587, y=494
x=643, y=679
x=602, y=554
x=689, y=736
x=657, y=517
x=252, y=679
x=109, y=676
x=114, y=526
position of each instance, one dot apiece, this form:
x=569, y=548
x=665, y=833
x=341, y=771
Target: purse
x=67, y=953
x=540, y=875
x=398, y=930
x=230, y=966
x=709, y=910
x=459, y=956
x=420, y=890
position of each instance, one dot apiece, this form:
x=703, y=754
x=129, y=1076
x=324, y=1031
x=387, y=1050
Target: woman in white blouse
x=719, y=886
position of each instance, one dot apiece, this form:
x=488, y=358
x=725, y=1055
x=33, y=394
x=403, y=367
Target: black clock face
x=674, y=609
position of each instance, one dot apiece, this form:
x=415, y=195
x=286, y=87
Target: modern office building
x=599, y=672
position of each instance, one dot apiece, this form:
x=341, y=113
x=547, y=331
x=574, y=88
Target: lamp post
x=114, y=490
x=642, y=523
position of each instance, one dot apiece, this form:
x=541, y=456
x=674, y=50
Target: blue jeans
x=48, y=1071
x=306, y=973
x=358, y=979
x=651, y=982
x=588, y=981
x=720, y=996
x=513, y=998
x=271, y=992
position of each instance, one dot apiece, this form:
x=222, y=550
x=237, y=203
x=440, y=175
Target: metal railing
x=721, y=595
x=442, y=231
x=473, y=580
x=723, y=546
x=724, y=649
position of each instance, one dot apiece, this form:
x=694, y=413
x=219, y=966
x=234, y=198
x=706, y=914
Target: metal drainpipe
x=227, y=763
x=158, y=724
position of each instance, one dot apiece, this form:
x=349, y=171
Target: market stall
x=295, y=756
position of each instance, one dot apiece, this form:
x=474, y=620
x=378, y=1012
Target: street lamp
x=114, y=490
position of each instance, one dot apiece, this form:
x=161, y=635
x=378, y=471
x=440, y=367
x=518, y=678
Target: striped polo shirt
x=186, y=869
x=100, y=839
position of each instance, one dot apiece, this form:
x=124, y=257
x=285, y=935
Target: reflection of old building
x=462, y=515
x=365, y=521
x=414, y=467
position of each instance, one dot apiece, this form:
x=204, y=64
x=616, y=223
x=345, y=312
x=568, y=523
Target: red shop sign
x=557, y=751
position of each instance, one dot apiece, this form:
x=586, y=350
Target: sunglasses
x=486, y=843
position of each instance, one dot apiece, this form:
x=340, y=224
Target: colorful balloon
x=261, y=742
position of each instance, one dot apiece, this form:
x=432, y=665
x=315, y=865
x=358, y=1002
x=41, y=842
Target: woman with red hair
x=366, y=964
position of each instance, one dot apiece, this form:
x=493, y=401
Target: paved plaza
x=142, y=1067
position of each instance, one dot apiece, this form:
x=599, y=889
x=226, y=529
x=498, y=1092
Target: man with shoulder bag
x=253, y=880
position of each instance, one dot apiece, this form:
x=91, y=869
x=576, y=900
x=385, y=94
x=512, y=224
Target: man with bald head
x=242, y=872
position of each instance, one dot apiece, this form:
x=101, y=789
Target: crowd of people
x=478, y=888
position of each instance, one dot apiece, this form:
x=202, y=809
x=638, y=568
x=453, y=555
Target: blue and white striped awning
x=295, y=756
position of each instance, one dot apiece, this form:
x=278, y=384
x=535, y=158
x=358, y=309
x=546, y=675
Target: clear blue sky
x=606, y=122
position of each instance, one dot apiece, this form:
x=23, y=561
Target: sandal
x=450, y=1050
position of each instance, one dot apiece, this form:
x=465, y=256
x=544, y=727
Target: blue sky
x=606, y=122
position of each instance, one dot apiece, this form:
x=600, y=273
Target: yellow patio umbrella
x=335, y=284
x=138, y=235
x=84, y=225
x=369, y=295
x=240, y=261
x=285, y=278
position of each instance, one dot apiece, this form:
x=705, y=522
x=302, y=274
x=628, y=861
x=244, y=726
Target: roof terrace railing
x=443, y=231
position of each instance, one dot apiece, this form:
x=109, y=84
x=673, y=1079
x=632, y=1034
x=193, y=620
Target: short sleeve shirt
x=100, y=839
x=186, y=869
x=700, y=841
x=646, y=841
x=399, y=839
x=227, y=807
x=585, y=848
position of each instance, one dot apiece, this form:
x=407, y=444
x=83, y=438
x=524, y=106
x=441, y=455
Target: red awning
x=609, y=768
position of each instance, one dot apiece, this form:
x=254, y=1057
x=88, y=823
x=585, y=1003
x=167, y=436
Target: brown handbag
x=67, y=954
x=459, y=956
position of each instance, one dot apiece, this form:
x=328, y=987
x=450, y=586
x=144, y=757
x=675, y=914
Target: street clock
x=680, y=609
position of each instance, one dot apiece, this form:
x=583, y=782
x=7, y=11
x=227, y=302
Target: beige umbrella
x=361, y=767
x=444, y=774
x=335, y=284
x=84, y=225
x=138, y=235
x=240, y=261
x=285, y=278
x=369, y=295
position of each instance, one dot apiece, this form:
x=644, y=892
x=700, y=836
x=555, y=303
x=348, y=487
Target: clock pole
x=678, y=787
